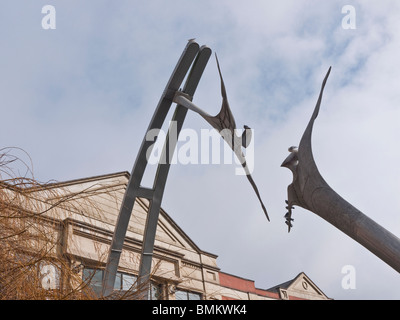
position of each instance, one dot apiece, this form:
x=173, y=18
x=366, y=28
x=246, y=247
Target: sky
x=78, y=99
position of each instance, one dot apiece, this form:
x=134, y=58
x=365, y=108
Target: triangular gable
x=301, y=287
x=107, y=191
x=169, y=232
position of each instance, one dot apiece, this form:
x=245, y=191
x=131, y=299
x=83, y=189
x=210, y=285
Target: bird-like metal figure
x=310, y=191
x=225, y=124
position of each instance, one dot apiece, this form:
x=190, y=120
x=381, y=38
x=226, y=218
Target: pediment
x=303, y=287
x=169, y=232
x=106, y=193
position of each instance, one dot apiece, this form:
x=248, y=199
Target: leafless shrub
x=33, y=265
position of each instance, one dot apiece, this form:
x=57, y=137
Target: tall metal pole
x=134, y=188
x=163, y=169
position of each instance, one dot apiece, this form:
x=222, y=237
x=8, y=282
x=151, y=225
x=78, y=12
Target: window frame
x=156, y=291
x=188, y=293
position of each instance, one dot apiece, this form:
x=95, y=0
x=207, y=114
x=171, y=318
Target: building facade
x=83, y=225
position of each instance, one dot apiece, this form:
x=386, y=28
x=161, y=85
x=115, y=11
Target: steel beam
x=133, y=188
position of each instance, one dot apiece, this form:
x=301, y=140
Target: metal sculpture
x=194, y=58
x=310, y=191
x=225, y=124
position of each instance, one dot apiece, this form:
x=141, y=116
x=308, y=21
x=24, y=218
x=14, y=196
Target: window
x=123, y=283
x=155, y=292
x=128, y=281
x=94, y=278
x=187, y=295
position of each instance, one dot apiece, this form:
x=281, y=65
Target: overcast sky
x=78, y=100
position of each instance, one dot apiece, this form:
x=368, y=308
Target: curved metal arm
x=310, y=191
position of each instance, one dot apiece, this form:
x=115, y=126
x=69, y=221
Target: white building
x=82, y=228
